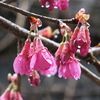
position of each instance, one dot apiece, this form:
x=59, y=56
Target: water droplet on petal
x=48, y=75
x=55, y=7
x=42, y=6
x=88, y=63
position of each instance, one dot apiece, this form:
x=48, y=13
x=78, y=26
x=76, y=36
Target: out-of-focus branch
x=8, y=1
x=27, y=13
x=90, y=75
x=22, y=33
x=95, y=51
x=6, y=41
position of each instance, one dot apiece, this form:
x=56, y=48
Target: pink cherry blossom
x=86, y=46
x=58, y=53
x=14, y=95
x=41, y=60
x=51, y=4
x=73, y=42
x=68, y=64
x=80, y=38
x=70, y=70
x=34, y=78
x=62, y=55
x=22, y=61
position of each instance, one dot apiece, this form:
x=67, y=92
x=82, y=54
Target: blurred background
x=51, y=88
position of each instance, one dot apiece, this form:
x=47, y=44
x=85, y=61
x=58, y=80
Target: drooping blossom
x=58, y=53
x=73, y=42
x=22, y=61
x=41, y=60
x=68, y=64
x=12, y=92
x=80, y=39
x=15, y=95
x=70, y=70
x=86, y=46
x=51, y=4
x=34, y=78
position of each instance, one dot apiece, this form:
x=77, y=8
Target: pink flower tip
x=34, y=78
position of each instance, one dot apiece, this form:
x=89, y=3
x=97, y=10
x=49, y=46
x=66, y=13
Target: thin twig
x=23, y=33
x=90, y=75
x=27, y=13
x=90, y=58
x=8, y=1
x=95, y=51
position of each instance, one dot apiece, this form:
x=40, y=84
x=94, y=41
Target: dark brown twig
x=27, y=13
x=8, y=1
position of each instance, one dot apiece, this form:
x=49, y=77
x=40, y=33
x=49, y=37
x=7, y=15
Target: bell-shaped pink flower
x=70, y=70
x=62, y=55
x=80, y=38
x=41, y=59
x=14, y=95
x=65, y=55
x=68, y=64
x=22, y=61
x=34, y=78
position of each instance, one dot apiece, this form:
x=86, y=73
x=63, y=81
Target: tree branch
x=8, y=1
x=95, y=51
x=22, y=33
x=90, y=75
x=27, y=13
x=90, y=58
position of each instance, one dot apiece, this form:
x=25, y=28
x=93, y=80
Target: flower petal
x=75, y=69
x=43, y=60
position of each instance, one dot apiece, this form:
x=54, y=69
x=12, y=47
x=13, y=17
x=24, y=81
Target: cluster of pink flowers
x=12, y=93
x=68, y=65
x=35, y=57
x=51, y=4
x=80, y=38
